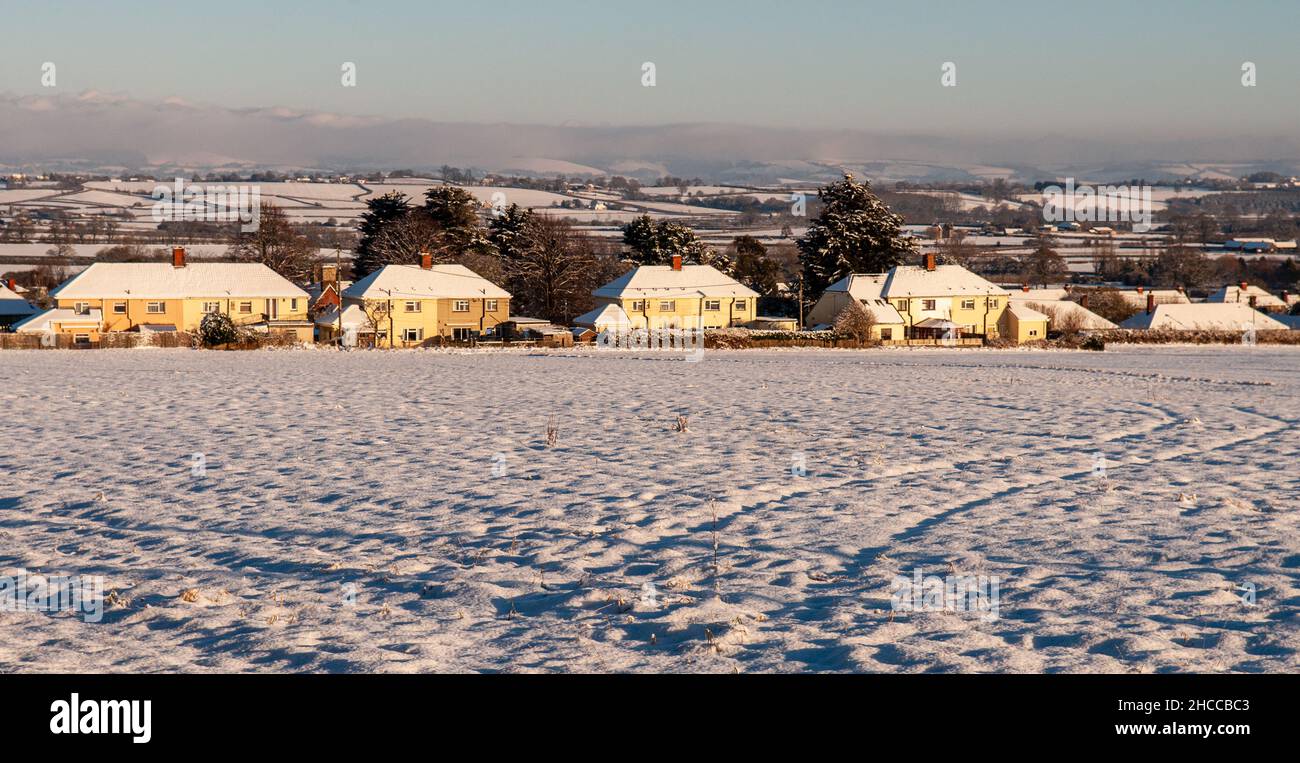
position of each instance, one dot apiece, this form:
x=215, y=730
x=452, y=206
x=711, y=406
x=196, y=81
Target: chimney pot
x=677, y=262
x=13, y=286
x=1244, y=285
x=1024, y=287
x=426, y=261
x=178, y=256
x=1140, y=290
x=929, y=261
x=1151, y=303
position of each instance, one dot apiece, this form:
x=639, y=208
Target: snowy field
x=402, y=511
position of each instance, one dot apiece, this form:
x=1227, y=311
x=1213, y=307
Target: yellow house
x=1021, y=323
x=175, y=296
x=680, y=296
x=410, y=305
x=930, y=299
x=868, y=291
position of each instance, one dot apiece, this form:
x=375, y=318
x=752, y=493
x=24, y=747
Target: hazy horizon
x=245, y=83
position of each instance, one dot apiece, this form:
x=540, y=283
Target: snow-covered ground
x=402, y=511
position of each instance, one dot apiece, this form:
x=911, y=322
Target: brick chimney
x=1140, y=289
x=1151, y=303
x=1252, y=300
x=178, y=256
x=929, y=261
x=426, y=261
x=1024, y=287
x=1083, y=300
x=1244, y=285
x=1181, y=290
x=13, y=286
x=677, y=262
x=1285, y=295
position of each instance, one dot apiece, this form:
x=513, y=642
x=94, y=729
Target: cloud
x=175, y=131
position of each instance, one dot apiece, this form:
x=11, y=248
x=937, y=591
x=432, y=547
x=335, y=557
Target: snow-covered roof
x=414, y=282
x=44, y=321
x=943, y=281
x=1039, y=295
x=353, y=318
x=160, y=280
x=1208, y=316
x=1064, y=308
x=1024, y=312
x=1135, y=298
x=1235, y=294
x=11, y=304
x=605, y=316
x=654, y=281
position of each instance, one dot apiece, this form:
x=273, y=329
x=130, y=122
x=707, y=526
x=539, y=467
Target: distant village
x=460, y=272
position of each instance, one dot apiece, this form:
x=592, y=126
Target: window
x=638, y=306
x=740, y=304
x=667, y=305
x=712, y=304
x=211, y=307
x=119, y=308
x=968, y=304
x=927, y=304
x=886, y=334
x=462, y=334
x=81, y=308
x=413, y=306
x=1033, y=332
x=81, y=338
x=490, y=306
x=246, y=307
x=413, y=335
x=993, y=303
x=460, y=306
x=902, y=305
x=155, y=308
x=293, y=305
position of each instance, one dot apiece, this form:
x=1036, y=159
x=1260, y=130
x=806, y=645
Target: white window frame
x=161, y=308
x=119, y=308
x=460, y=306
x=418, y=335
x=741, y=304
x=466, y=330
x=413, y=306
x=490, y=305
x=637, y=306
x=211, y=307
x=243, y=305
x=929, y=304
x=671, y=305
x=968, y=304
x=713, y=304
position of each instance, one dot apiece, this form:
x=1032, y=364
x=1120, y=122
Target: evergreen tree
x=751, y=266
x=855, y=232
x=381, y=211
x=655, y=242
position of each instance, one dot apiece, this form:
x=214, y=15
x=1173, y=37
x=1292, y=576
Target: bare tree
x=855, y=321
x=377, y=312
x=276, y=245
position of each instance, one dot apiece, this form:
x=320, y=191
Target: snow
x=661, y=281
x=401, y=511
x=159, y=280
x=414, y=282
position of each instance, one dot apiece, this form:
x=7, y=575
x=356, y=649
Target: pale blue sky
x=1151, y=68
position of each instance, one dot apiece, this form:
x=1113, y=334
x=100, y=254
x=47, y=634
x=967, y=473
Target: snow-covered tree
x=855, y=321
x=217, y=329
x=855, y=232
x=380, y=211
x=654, y=242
